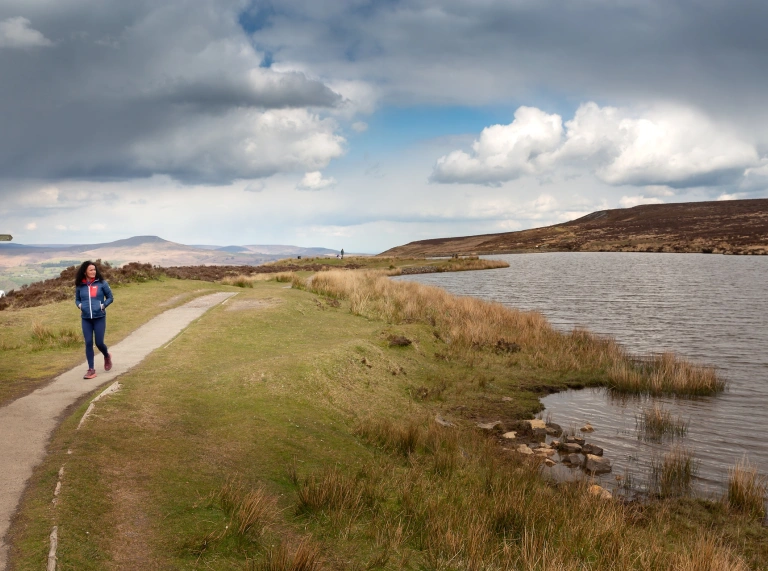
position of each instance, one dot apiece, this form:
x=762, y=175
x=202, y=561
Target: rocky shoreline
x=529, y=439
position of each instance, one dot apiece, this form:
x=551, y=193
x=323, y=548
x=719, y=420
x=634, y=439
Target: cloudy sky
x=367, y=124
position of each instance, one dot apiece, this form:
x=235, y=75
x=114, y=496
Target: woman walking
x=92, y=296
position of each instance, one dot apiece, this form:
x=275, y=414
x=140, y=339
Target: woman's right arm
x=77, y=297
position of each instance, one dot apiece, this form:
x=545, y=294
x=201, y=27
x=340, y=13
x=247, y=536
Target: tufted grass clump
x=665, y=374
x=672, y=475
x=248, y=281
x=747, y=490
x=45, y=337
x=306, y=557
x=252, y=511
x=655, y=422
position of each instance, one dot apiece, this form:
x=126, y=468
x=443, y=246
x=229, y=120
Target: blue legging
x=94, y=327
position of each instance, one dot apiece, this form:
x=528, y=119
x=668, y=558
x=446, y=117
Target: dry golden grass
x=656, y=422
x=709, y=554
x=306, y=557
x=44, y=337
x=672, y=475
x=251, y=511
x=468, y=324
x=747, y=490
x=248, y=281
x=665, y=374
x=495, y=513
x=332, y=490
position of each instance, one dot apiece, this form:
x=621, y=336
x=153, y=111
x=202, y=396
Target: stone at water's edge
x=523, y=449
x=597, y=464
x=587, y=428
x=549, y=462
x=570, y=448
x=573, y=459
x=577, y=439
x=536, y=423
x=489, y=425
x=511, y=435
x=601, y=492
x=554, y=429
x=592, y=449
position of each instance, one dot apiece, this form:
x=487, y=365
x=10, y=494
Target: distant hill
x=149, y=249
x=722, y=227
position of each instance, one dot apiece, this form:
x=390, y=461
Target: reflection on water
x=711, y=309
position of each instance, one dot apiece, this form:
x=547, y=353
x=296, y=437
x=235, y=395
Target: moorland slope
x=721, y=227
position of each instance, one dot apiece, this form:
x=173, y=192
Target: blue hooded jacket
x=93, y=298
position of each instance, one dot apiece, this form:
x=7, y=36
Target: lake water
x=712, y=309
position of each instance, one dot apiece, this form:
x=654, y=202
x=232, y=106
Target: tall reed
x=747, y=490
x=655, y=422
x=673, y=474
x=665, y=374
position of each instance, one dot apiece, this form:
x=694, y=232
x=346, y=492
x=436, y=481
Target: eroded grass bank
x=468, y=324
x=295, y=430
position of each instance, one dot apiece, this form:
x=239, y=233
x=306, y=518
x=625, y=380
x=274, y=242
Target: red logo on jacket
x=94, y=290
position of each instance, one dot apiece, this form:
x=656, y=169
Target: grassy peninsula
x=328, y=420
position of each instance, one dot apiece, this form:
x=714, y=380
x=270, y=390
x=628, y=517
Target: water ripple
x=711, y=309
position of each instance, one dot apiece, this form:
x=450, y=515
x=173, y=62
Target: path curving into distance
x=27, y=423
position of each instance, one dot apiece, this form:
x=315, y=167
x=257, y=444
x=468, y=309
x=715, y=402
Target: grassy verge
x=295, y=430
x=38, y=343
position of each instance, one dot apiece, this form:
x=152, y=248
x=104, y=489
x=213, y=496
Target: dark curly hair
x=80, y=275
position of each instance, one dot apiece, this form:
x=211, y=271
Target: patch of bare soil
x=246, y=304
x=131, y=547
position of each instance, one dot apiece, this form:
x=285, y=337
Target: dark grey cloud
x=117, y=90
x=707, y=53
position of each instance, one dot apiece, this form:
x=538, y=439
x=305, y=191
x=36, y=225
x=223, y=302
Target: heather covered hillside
x=722, y=227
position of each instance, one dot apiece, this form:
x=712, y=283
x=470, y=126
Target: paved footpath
x=26, y=424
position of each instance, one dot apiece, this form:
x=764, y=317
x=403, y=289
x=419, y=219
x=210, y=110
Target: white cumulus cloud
x=670, y=146
x=503, y=152
x=660, y=149
x=17, y=33
x=315, y=181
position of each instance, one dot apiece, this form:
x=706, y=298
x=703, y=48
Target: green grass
x=283, y=431
x=39, y=343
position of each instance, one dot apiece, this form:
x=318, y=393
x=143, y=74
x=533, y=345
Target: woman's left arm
x=108, y=298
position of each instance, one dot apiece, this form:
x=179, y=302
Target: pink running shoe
x=90, y=374
x=108, y=362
